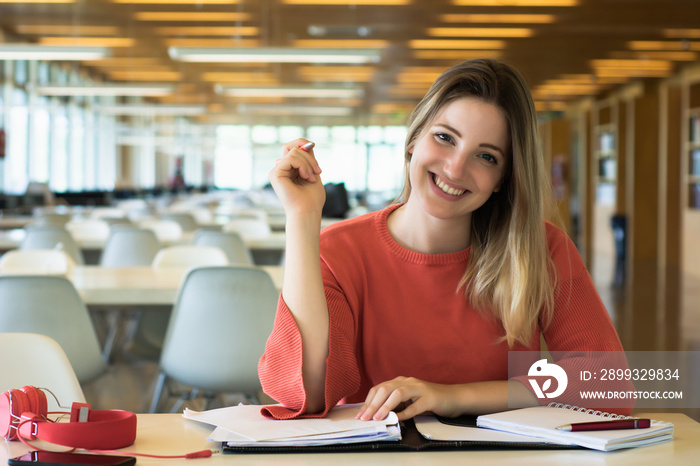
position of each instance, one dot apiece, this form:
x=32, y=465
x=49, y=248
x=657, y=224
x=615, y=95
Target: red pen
x=607, y=425
x=307, y=147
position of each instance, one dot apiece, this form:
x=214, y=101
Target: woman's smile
x=447, y=188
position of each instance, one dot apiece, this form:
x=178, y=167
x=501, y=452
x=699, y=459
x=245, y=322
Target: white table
x=170, y=434
x=10, y=222
x=101, y=287
x=275, y=241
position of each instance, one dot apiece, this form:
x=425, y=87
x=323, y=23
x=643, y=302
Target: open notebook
x=542, y=422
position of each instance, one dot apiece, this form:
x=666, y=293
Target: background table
x=121, y=287
x=266, y=251
x=171, y=434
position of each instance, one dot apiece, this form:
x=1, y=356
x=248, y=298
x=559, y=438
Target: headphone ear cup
x=12, y=404
x=5, y=414
x=37, y=401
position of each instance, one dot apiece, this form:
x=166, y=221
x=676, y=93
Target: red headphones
x=24, y=416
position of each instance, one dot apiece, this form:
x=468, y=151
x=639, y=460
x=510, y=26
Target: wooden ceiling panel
x=561, y=41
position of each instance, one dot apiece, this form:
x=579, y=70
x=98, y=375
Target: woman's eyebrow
x=483, y=144
x=491, y=146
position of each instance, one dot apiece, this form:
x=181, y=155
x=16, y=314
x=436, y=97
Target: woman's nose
x=456, y=166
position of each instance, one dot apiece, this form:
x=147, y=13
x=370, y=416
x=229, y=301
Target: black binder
x=411, y=440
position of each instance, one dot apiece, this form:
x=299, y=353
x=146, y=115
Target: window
x=76, y=154
x=234, y=156
x=58, y=179
x=17, y=142
x=40, y=141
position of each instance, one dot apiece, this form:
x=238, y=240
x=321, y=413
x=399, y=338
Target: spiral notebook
x=542, y=422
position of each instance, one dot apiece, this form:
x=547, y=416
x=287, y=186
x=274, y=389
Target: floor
x=129, y=384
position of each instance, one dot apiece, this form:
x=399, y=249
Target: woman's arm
x=295, y=179
x=418, y=397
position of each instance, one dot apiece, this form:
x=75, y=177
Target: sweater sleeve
x=280, y=368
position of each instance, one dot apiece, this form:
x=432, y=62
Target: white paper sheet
x=431, y=428
x=247, y=422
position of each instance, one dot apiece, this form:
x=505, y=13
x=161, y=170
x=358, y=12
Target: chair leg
x=157, y=392
x=191, y=395
x=114, y=321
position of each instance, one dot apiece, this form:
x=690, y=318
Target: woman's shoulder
x=565, y=256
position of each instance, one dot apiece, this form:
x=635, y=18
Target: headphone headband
x=103, y=429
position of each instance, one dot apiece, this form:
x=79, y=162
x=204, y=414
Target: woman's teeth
x=441, y=184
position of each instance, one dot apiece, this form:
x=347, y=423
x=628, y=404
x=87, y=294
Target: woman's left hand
x=416, y=396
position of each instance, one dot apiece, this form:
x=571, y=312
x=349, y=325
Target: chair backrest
x=88, y=229
x=258, y=214
x=37, y=360
x=50, y=305
x=107, y=212
x=128, y=247
x=51, y=219
x=165, y=230
x=190, y=256
x=186, y=221
x=35, y=261
x=52, y=237
x=218, y=329
x=248, y=228
x=228, y=241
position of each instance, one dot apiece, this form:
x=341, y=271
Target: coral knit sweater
x=394, y=312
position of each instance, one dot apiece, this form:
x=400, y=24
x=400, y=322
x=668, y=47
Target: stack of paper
x=243, y=425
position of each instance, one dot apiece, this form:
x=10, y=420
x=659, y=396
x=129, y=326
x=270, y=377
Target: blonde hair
x=510, y=272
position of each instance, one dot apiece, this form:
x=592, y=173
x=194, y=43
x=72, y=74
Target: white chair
x=50, y=305
x=146, y=340
x=50, y=219
x=248, y=228
x=228, y=241
x=165, y=230
x=88, y=229
x=202, y=215
x=52, y=237
x=257, y=214
x=128, y=247
x=37, y=360
x=217, y=332
x=186, y=221
x=190, y=256
x=101, y=213
x=36, y=261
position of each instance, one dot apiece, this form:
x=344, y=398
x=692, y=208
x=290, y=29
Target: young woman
x=414, y=308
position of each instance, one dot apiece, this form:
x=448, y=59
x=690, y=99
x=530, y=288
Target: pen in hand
x=607, y=425
x=307, y=147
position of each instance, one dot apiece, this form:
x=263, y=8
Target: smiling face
x=459, y=160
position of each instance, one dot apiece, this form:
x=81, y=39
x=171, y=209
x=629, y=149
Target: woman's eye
x=489, y=158
x=444, y=137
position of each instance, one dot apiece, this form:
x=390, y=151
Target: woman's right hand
x=296, y=179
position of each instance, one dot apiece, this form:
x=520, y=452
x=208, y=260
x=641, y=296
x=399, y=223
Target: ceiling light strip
x=292, y=92
x=152, y=110
x=107, y=90
x=272, y=55
x=51, y=53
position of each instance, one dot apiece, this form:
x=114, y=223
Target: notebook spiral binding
x=602, y=414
